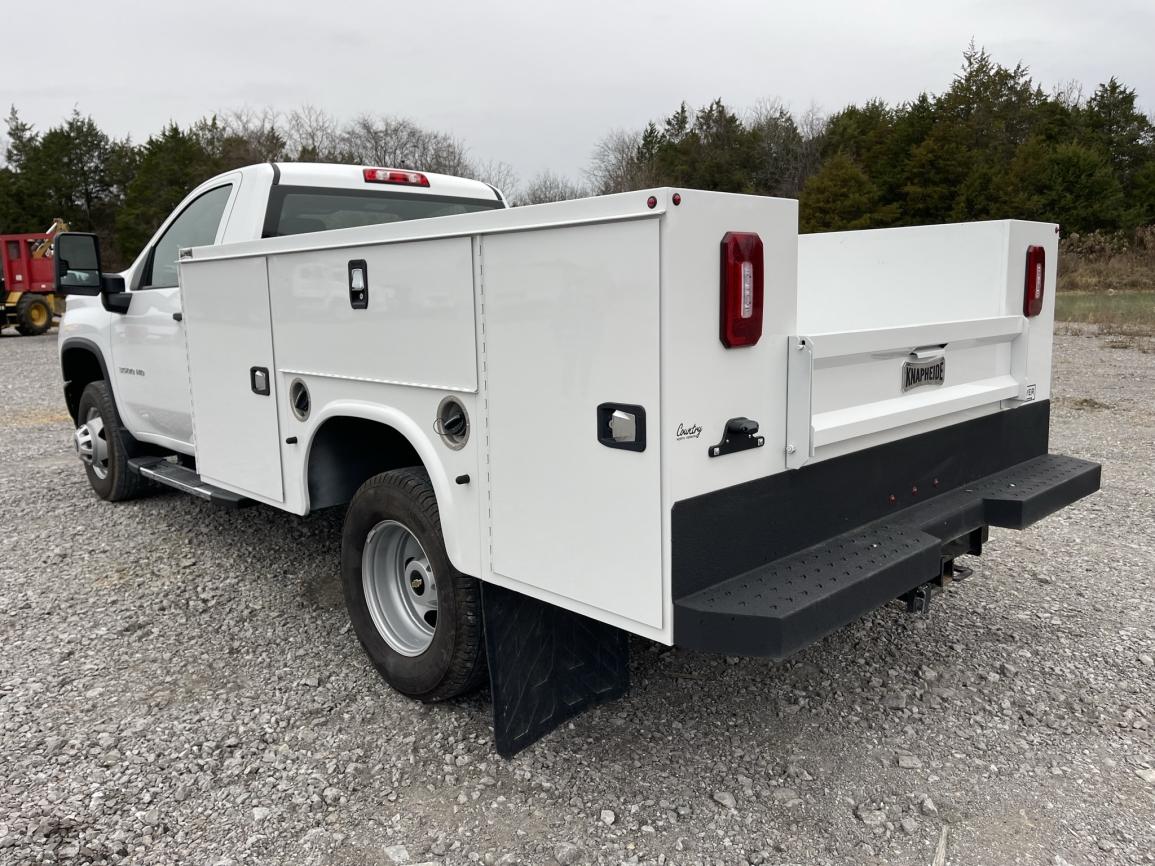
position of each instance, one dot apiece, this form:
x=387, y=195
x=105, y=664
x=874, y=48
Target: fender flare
x=422, y=444
x=93, y=349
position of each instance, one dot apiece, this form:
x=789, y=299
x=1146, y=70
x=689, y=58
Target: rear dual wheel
x=417, y=617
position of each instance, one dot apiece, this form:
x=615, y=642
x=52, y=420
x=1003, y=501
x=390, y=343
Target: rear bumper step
x=780, y=607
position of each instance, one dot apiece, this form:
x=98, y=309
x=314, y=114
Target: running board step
x=185, y=480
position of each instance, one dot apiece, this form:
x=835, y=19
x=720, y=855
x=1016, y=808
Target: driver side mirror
x=77, y=256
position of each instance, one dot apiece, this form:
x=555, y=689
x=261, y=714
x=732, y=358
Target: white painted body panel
x=229, y=331
x=704, y=384
x=571, y=321
x=417, y=330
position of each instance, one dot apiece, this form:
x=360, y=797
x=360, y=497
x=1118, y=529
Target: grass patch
x=1125, y=313
x=1108, y=262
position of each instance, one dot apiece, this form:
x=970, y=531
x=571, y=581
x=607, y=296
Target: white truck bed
x=534, y=317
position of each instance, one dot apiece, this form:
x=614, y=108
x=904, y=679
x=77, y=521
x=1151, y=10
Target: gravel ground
x=178, y=684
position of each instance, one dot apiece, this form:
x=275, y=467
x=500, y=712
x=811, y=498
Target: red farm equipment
x=27, y=301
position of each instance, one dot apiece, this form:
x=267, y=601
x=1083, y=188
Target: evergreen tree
x=839, y=197
x=1066, y=183
x=170, y=165
x=1115, y=126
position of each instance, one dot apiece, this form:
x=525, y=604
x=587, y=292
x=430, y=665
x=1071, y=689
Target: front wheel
x=418, y=617
x=103, y=446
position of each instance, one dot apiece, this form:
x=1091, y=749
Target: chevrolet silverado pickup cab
x=661, y=413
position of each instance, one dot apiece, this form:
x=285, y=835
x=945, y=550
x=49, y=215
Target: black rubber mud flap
x=546, y=665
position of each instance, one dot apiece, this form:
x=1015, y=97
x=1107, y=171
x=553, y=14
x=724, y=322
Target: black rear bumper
x=914, y=499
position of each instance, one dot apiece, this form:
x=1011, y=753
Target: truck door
x=148, y=342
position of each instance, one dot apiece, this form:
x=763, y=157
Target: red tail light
x=393, y=175
x=741, y=290
x=1033, y=284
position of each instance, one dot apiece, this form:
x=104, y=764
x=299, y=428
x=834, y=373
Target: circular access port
x=452, y=423
x=299, y=399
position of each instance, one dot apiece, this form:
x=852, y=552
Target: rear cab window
x=295, y=210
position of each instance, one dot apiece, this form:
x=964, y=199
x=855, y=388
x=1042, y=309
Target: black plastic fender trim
x=93, y=349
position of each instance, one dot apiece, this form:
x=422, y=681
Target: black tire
x=118, y=482
x=454, y=662
x=33, y=315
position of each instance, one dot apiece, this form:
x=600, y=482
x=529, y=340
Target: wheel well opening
x=348, y=451
x=80, y=367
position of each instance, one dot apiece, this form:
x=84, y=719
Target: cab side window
x=195, y=227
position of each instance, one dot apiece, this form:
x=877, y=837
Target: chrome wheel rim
x=400, y=588
x=91, y=440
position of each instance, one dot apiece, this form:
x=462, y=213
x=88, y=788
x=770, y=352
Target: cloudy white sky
x=537, y=83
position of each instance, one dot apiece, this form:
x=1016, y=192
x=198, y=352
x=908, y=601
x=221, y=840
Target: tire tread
x=123, y=483
x=467, y=670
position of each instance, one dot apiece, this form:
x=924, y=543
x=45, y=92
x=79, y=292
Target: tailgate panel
x=918, y=295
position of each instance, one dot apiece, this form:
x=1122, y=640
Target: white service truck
x=662, y=412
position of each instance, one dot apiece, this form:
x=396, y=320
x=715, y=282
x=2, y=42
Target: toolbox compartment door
x=570, y=327
x=230, y=340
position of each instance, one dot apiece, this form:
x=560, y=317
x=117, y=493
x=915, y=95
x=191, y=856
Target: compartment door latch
x=358, y=285
x=259, y=381
x=622, y=425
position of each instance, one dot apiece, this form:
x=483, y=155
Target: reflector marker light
x=1034, y=282
x=394, y=175
x=747, y=289
x=741, y=289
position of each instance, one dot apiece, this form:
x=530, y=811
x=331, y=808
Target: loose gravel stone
x=870, y=817
x=166, y=660
x=894, y=700
x=725, y=798
x=567, y=853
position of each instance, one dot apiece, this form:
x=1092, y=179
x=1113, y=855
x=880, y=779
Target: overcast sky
x=533, y=82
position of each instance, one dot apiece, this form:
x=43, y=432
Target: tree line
x=993, y=145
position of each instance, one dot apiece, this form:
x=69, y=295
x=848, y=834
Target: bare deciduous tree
x=400, y=143
x=1069, y=94
x=790, y=147
x=245, y=135
x=547, y=187
x=615, y=165
x=312, y=135
x=496, y=173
